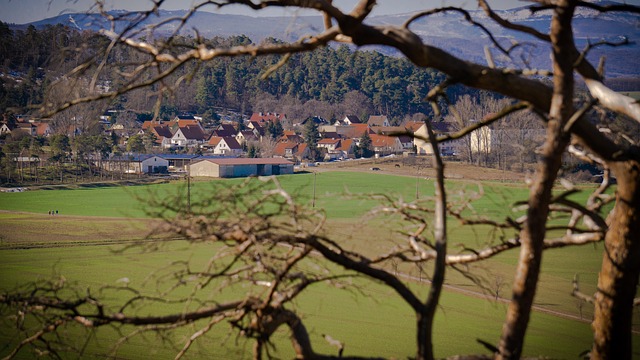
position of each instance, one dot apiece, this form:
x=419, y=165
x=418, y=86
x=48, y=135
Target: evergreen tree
x=274, y=130
x=365, y=148
x=311, y=135
x=135, y=144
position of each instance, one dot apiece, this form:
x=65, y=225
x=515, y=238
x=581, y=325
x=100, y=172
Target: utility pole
x=417, y=181
x=313, y=202
x=189, y=187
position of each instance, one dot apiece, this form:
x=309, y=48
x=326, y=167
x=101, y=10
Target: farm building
x=241, y=167
x=136, y=164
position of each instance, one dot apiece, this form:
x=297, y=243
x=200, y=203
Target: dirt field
x=421, y=166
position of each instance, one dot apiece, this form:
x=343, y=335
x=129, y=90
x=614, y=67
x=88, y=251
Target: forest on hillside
x=325, y=83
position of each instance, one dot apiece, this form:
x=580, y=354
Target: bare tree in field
x=277, y=245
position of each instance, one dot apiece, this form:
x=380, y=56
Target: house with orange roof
x=291, y=150
x=264, y=118
x=43, y=129
x=354, y=131
x=385, y=145
x=346, y=149
x=184, y=120
x=147, y=124
x=290, y=135
x=329, y=144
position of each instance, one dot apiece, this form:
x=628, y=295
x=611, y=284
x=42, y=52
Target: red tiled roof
x=281, y=147
x=150, y=123
x=329, y=141
x=413, y=126
x=382, y=140
x=301, y=149
x=184, y=122
x=357, y=130
x=193, y=133
x=162, y=131
x=43, y=128
x=345, y=145
x=267, y=117
x=214, y=140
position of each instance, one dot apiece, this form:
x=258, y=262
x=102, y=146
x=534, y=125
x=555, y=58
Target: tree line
x=367, y=82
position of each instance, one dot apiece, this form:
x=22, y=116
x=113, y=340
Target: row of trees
x=41, y=160
x=331, y=80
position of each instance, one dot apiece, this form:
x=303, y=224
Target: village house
x=5, y=129
x=151, y=123
x=224, y=145
x=291, y=150
x=329, y=144
x=346, y=149
x=263, y=118
x=184, y=121
x=319, y=121
x=188, y=137
x=355, y=131
x=290, y=136
x=348, y=120
x=43, y=129
x=162, y=134
x=385, y=145
x=423, y=146
x=225, y=130
x=246, y=135
x=26, y=128
x=257, y=128
x=378, y=120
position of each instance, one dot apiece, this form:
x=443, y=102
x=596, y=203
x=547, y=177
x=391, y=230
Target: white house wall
x=154, y=162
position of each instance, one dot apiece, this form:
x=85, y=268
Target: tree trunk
x=620, y=267
x=534, y=231
x=424, y=323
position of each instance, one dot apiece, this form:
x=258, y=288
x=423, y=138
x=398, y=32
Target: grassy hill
x=369, y=318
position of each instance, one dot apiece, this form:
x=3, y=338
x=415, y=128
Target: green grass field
x=374, y=322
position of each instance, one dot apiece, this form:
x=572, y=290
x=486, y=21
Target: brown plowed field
x=421, y=166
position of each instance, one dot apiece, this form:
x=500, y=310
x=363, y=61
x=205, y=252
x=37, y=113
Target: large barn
x=241, y=167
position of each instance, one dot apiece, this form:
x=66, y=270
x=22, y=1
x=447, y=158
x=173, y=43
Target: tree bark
x=534, y=231
x=618, y=277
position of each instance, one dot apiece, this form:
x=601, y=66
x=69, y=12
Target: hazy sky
x=25, y=11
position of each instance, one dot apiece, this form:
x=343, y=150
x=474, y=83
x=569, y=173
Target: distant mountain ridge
x=446, y=30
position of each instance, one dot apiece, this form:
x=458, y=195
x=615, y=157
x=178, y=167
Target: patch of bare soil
x=30, y=230
x=421, y=166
